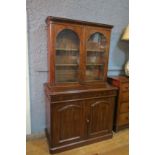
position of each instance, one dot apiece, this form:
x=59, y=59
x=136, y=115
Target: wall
x=114, y=12
x=28, y=115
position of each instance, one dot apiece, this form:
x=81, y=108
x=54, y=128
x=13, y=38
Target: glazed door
x=68, y=123
x=97, y=51
x=67, y=49
x=99, y=116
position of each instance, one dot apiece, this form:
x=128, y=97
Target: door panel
x=100, y=116
x=69, y=122
x=67, y=52
x=97, y=46
x=67, y=57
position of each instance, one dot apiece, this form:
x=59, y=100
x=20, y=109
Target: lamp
x=125, y=37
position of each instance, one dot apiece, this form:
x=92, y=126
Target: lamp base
x=126, y=68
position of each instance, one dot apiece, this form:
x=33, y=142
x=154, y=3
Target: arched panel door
x=99, y=119
x=69, y=122
x=67, y=54
x=97, y=42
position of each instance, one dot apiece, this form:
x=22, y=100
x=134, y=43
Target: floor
x=118, y=145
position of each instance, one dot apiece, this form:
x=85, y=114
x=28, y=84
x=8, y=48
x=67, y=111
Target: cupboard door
x=68, y=122
x=97, y=43
x=99, y=118
x=67, y=49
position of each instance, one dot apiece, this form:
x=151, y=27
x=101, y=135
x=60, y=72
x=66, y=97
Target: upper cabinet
x=77, y=51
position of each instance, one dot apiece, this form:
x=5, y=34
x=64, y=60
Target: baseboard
x=122, y=127
x=35, y=136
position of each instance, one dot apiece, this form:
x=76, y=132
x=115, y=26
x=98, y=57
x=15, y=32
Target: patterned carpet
x=118, y=145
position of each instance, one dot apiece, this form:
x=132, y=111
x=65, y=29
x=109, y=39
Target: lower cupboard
x=76, y=122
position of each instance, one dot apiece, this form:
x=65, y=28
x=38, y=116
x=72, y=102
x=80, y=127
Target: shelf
x=67, y=50
x=64, y=65
x=76, y=50
x=90, y=50
x=93, y=80
x=94, y=64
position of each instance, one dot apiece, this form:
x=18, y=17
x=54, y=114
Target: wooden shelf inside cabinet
x=94, y=80
x=90, y=50
x=66, y=50
x=94, y=64
x=66, y=65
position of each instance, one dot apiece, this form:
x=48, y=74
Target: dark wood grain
x=79, y=112
x=68, y=127
x=121, y=117
x=80, y=22
x=83, y=30
x=99, y=118
x=78, y=118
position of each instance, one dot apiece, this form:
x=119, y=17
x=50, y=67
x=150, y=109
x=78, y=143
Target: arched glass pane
x=96, y=42
x=67, y=56
x=96, y=48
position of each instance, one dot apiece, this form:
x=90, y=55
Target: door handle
x=87, y=120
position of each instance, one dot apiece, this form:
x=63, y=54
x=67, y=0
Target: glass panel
x=67, y=56
x=96, y=46
x=96, y=42
x=66, y=73
x=94, y=72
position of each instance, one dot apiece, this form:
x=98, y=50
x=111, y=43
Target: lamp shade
x=125, y=35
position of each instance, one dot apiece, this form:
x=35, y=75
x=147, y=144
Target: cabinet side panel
x=48, y=117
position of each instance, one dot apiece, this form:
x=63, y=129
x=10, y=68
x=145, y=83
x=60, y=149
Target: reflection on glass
x=96, y=42
x=95, y=57
x=96, y=47
x=66, y=73
x=94, y=73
